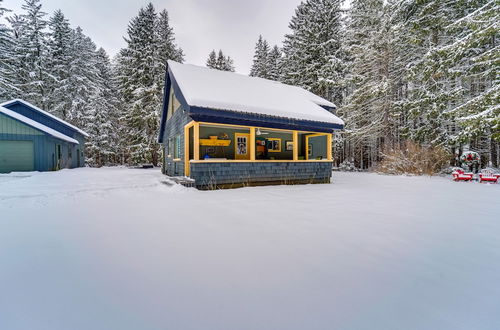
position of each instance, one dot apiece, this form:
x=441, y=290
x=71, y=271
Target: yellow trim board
x=258, y=161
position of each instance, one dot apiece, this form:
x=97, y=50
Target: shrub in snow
x=411, y=158
x=347, y=166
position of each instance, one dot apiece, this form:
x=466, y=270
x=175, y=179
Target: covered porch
x=221, y=155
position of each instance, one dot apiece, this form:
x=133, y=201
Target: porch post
x=252, y=143
x=186, y=150
x=295, y=146
x=329, y=146
x=196, y=141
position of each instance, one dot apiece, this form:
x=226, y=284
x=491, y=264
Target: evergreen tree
x=370, y=82
x=466, y=70
x=220, y=61
x=59, y=59
x=7, y=89
x=83, y=78
x=212, y=60
x=274, y=63
x=260, y=64
x=102, y=108
x=150, y=42
x=167, y=49
x=30, y=53
x=423, y=30
x=312, y=51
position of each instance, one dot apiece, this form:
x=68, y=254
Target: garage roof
x=37, y=125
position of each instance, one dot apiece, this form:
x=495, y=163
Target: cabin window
x=59, y=152
x=274, y=145
x=170, y=147
x=177, y=150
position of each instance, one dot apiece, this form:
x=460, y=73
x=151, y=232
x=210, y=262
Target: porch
x=225, y=155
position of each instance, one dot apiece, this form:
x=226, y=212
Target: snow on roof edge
x=45, y=113
x=36, y=125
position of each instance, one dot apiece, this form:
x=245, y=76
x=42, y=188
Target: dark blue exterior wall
x=175, y=127
x=211, y=175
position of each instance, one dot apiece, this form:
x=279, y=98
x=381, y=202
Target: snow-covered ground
x=107, y=249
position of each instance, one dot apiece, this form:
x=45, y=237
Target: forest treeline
x=399, y=71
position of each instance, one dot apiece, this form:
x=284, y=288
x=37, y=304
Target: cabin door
x=241, y=147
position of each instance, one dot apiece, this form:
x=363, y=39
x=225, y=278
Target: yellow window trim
x=196, y=134
x=279, y=144
x=247, y=154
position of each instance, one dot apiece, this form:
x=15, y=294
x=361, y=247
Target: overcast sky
x=199, y=25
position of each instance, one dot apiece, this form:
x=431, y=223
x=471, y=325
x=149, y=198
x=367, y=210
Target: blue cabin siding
x=175, y=127
x=45, y=150
x=42, y=118
x=44, y=145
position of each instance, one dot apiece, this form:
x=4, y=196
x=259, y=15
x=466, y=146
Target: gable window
x=173, y=104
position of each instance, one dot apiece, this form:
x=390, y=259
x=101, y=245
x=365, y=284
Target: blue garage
x=32, y=139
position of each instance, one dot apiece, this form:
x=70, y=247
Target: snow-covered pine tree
x=423, y=29
x=102, y=109
x=141, y=114
x=166, y=49
x=7, y=88
x=59, y=100
x=312, y=51
x=140, y=71
x=260, y=64
x=469, y=62
x=224, y=63
x=212, y=60
x=30, y=53
x=118, y=118
x=274, y=63
x=83, y=78
x=368, y=107
x=220, y=61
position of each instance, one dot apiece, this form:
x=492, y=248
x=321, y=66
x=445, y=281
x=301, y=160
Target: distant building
x=224, y=129
x=34, y=140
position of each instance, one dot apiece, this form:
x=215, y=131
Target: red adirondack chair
x=488, y=175
x=460, y=175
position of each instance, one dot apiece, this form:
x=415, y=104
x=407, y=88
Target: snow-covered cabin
x=225, y=129
x=32, y=139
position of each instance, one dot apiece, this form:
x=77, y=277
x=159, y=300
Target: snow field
x=117, y=248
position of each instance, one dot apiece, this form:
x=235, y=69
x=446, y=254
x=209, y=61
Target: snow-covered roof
x=37, y=125
x=46, y=114
x=215, y=89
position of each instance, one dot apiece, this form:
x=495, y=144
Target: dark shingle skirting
x=234, y=175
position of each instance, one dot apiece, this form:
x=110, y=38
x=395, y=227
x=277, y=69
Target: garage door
x=16, y=156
